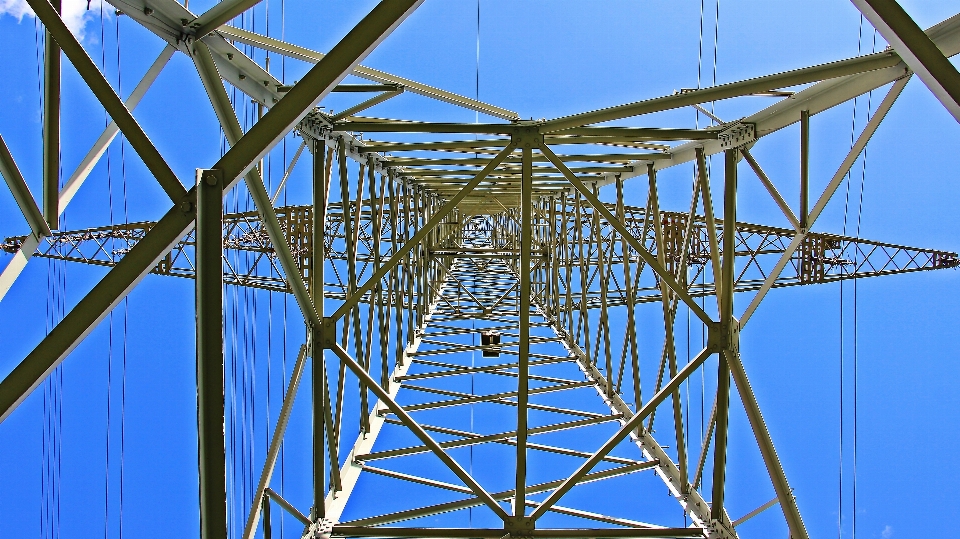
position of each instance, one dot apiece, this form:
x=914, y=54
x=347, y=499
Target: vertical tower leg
x=727, y=324
x=526, y=237
x=210, y=408
x=51, y=129
x=316, y=287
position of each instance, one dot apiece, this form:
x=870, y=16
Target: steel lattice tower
x=486, y=299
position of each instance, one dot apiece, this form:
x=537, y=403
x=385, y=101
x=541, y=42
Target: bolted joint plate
x=519, y=526
x=527, y=135
x=720, y=530
x=320, y=529
x=737, y=134
x=724, y=337
x=327, y=334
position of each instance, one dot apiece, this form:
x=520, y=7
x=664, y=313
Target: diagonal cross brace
x=916, y=48
x=179, y=220
x=109, y=99
x=231, y=128
x=651, y=260
x=434, y=221
x=628, y=427
x=402, y=414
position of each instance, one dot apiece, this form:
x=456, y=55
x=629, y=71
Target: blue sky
x=542, y=59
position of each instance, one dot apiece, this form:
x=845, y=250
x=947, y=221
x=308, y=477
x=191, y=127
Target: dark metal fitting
x=186, y=206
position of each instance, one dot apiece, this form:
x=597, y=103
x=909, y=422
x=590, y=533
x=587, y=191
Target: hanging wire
x=106, y=122
x=126, y=299
x=53, y=386
x=283, y=355
x=846, y=212
x=708, y=161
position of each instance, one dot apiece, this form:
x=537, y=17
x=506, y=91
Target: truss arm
x=831, y=188
x=760, y=84
x=523, y=369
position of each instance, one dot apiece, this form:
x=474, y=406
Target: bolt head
x=210, y=179
x=186, y=206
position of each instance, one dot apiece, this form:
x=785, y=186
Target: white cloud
x=75, y=13
x=887, y=532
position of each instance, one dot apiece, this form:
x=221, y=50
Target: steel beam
x=523, y=387
x=210, y=396
x=233, y=132
x=307, y=55
x=220, y=14
x=727, y=323
x=21, y=193
x=340, y=530
x=51, y=127
x=376, y=100
x=318, y=379
x=804, y=168
x=725, y=91
x=917, y=50
x=771, y=189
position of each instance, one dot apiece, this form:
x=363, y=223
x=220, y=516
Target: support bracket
x=527, y=134
x=519, y=527
x=723, y=337
x=737, y=134
x=327, y=333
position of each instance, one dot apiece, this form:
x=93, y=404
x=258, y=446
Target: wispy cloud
x=887, y=532
x=75, y=13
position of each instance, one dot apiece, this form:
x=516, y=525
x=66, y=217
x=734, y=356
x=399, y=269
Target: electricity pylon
x=424, y=247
